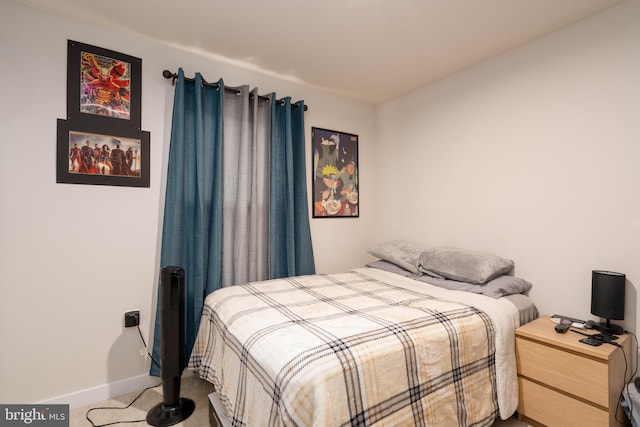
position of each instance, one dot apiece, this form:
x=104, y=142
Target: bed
x=379, y=345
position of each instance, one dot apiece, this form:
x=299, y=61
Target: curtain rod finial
x=169, y=75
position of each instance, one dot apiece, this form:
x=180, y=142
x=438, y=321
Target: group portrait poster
x=335, y=174
x=87, y=156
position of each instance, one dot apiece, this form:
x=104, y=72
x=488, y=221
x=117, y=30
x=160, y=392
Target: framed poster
x=102, y=156
x=103, y=85
x=336, y=187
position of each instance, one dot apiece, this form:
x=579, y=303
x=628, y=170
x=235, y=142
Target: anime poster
x=105, y=86
x=335, y=174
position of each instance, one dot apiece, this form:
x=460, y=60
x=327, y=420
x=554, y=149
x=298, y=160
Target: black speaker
x=607, y=299
x=173, y=409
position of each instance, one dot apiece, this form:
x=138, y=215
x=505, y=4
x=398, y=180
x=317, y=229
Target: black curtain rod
x=173, y=76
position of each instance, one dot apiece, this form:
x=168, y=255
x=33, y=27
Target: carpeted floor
x=192, y=387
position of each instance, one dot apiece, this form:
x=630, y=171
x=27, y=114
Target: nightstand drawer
x=556, y=409
x=583, y=377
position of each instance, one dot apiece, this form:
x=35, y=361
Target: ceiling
x=370, y=50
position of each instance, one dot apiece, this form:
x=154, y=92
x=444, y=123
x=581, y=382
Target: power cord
x=145, y=346
x=132, y=402
x=119, y=408
x=624, y=381
x=627, y=383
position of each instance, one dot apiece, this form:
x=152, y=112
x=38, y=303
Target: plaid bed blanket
x=363, y=348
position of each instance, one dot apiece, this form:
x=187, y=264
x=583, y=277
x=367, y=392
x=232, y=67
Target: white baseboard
x=103, y=392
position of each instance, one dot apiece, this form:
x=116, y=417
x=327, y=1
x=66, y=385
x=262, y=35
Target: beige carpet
x=192, y=387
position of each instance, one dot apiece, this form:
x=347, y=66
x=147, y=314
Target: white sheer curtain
x=245, y=154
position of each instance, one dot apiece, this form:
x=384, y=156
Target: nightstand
x=564, y=382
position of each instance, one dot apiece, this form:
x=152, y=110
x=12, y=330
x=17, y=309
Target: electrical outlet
x=131, y=318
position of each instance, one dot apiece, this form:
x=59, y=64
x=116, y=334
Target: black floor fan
x=173, y=408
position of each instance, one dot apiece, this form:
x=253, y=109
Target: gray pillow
x=499, y=287
x=463, y=265
x=400, y=252
x=495, y=288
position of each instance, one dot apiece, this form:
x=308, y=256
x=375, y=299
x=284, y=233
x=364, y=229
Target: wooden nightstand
x=564, y=382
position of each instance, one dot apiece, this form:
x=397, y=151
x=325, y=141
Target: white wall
x=532, y=155
x=76, y=257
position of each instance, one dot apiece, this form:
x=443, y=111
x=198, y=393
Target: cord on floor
x=132, y=402
x=118, y=408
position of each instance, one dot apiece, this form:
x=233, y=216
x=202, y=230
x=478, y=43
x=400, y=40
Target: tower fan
x=173, y=409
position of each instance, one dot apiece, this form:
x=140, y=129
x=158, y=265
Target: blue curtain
x=290, y=252
x=192, y=236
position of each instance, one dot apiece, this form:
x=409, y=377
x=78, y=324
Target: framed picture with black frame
x=102, y=155
x=103, y=86
x=101, y=142
x=336, y=187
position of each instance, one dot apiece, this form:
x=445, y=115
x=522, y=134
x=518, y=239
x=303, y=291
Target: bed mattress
x=367, y=347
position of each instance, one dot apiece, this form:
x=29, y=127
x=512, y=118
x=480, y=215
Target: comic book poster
x=105, y=86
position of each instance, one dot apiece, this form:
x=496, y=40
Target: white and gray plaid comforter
x=363, y=348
